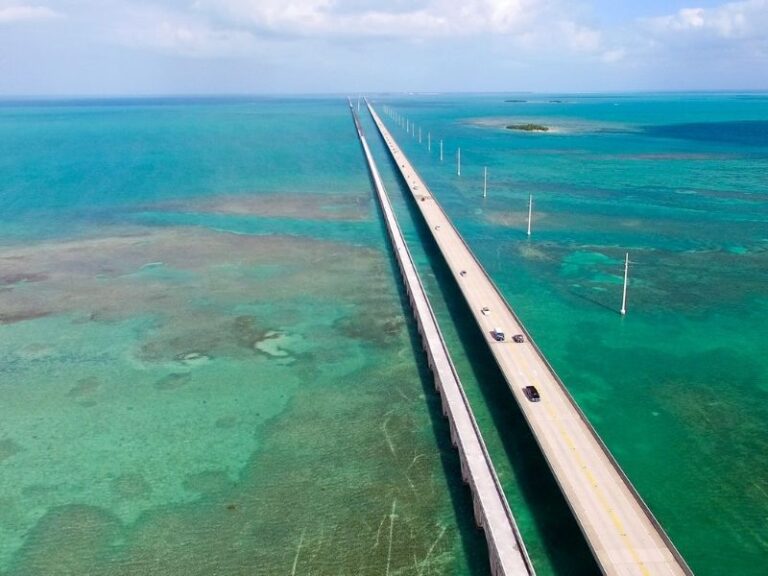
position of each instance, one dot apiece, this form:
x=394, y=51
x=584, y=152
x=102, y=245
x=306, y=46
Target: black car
x=518, y=338
x=531, y=393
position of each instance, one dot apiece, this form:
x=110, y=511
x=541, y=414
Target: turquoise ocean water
x=205, y=362
x=206, y=365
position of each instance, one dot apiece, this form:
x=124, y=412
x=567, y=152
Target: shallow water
x=209, y=369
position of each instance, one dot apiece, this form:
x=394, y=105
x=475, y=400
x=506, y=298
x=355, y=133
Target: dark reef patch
x=12, y=318
x=16, y=278
x=85, y=388
x=131, y=487
x=72, y=537
x=173, y=381
x=381, y=331
x=8, y=448
x=247, y=332
x=744, y=133
x=226, y=422
x=209, y=482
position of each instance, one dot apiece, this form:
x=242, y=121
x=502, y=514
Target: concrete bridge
x=623, y=534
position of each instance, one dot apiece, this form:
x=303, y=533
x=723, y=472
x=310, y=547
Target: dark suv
x=531, y=393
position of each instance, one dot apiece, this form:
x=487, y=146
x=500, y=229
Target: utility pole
x=624, y=295
x=530, y=212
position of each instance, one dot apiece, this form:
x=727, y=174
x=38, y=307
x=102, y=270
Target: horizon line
x=211, y=95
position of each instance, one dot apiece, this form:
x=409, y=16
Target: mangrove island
x=528, y=127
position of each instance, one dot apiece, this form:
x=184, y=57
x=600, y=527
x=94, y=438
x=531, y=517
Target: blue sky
x=109, y=47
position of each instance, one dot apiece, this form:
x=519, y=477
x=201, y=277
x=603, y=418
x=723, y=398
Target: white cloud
x=501, y=30
x=495, y=16
x=22, y=13
x=579, y=38
x=281, y=16
x=613, y=56
x=733, y=20
x=519, y=27
x=418, y=20
x=188, y=38
x=145, y=26
x=497, y=30
x=713, y=38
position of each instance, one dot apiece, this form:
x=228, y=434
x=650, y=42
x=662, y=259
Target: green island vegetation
x=528, y=127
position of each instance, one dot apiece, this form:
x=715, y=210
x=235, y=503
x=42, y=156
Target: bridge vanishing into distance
x=624, y=536
x=507, y=553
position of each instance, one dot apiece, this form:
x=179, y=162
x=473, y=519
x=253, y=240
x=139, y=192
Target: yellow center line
x=596, y=488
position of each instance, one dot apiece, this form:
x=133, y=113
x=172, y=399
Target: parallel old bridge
x=508, y=556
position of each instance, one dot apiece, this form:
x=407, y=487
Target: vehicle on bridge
x=531, y=393
x=519, y=338
x=498, y=334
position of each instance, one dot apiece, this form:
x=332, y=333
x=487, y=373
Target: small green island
x=528, y=127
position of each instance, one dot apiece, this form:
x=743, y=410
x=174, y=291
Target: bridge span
x=507, y=553
x=624, y=536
